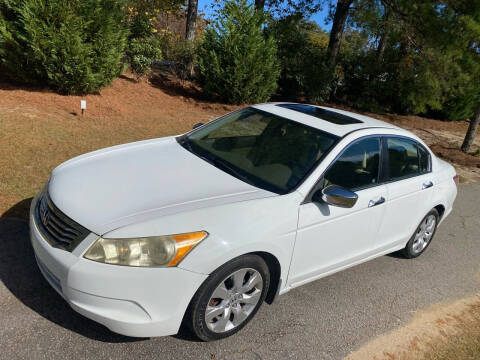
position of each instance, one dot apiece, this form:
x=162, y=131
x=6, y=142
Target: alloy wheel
x=233, y=300
x=424, y=234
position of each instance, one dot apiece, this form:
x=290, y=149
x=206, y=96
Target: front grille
x=58, y=229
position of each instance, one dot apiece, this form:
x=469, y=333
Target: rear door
x=409, y=183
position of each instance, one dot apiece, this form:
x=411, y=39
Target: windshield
x=262, y=149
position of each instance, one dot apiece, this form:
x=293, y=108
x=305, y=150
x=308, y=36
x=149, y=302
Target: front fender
x=261, y=225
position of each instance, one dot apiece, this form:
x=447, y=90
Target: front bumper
x=132, y=301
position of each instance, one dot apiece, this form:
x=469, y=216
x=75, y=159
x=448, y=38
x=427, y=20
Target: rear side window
x=403, y=158
x=424, y=159
x=357, y=167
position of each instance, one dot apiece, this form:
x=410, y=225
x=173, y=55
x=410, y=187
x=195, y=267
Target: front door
x=330, y=237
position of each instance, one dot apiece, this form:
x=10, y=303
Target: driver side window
x=357, y=167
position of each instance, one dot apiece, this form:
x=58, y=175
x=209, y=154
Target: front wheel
x=423, y=236
x=229, y=298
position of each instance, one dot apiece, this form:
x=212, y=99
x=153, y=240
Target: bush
x=140, y=26
x=144, y=46
x=179, y=53
x=141, y=53
x=236, y=61
x=184, y=54
x=301, y=53
x=73, y=46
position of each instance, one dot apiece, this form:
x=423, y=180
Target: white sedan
x=202, y=228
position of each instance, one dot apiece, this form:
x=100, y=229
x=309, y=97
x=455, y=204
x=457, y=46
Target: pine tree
x=73, y=46
x=237, y=61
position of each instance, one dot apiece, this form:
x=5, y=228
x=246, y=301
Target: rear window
x=424, y=159
x=327, y=115
x=403, y=158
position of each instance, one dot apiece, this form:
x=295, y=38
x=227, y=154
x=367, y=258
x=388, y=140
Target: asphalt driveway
x=325, y=319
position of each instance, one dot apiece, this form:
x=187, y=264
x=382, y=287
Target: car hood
x=118, y=186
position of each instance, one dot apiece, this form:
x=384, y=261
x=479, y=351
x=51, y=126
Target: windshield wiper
x=215, y=161
x=185, y=142
x=227, y=167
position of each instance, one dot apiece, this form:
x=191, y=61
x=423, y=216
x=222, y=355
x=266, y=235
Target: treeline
x=403, y=56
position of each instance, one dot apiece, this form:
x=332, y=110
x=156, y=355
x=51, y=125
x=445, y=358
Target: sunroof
x=323, y=114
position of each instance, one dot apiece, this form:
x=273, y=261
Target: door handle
x=427, y=185
x=372, y=203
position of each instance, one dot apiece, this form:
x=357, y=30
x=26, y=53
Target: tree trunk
x=382, y=44
x=190, y=30
x=259, y=4
x=191, y=19
x=341, y=13
x=471, y=132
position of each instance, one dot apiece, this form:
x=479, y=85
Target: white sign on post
x=83, y=105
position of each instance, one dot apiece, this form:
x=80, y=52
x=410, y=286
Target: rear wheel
x=423, y=236
x=229, y=298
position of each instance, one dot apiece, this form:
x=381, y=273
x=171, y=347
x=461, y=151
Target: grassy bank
x=461, y=342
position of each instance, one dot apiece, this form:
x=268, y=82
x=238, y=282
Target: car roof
x=325, y=119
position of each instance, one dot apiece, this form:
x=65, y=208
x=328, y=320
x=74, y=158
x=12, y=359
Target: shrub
x=236, y=61
x=183, y=55
x=140, y=26
x=73, y=46
x=301, y=53
x=144, y=46
x=141, y=53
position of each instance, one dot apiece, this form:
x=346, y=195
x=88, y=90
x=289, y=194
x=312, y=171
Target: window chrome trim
x=417, y=143
x=320, y=180
x=383, y=176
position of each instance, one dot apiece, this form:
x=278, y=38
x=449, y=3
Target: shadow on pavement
x=21, y=276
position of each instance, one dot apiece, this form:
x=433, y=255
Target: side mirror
x=337, y=196
x=197, y=125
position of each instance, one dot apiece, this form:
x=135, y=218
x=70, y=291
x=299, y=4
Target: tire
x=221, y=307
x=422, y=237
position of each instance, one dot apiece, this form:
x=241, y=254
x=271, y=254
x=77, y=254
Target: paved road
x=326, y=319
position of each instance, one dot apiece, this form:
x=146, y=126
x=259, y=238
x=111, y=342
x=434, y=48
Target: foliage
x=144, y=46
x=301, y=54
x=237, y=61
x=425, y=64
x=183, y=54
x=141, y=25
x=73, y=46
x=151, y=7
x=141, y=52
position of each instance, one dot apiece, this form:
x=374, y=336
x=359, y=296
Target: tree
x=73, y=46
x=472, y=131
x=339, y=19
x=192, y=10
x=237, y=62
x=301, y=55
x=259, y=4
x=453, y=28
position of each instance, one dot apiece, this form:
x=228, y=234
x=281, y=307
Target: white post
x=83, y=105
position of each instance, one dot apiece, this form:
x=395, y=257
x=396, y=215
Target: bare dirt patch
x=434, y=333
x=455, y=155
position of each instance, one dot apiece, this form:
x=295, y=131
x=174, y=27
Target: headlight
x=155, y=251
